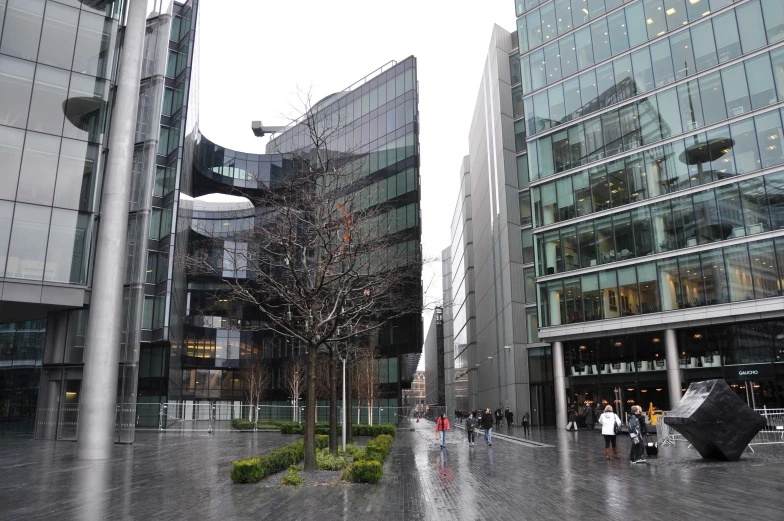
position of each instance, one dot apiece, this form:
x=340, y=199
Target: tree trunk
x=349, y=419
x=310, y=411
x=333, y=402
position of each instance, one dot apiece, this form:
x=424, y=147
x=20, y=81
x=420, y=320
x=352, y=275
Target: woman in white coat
x=609, y=422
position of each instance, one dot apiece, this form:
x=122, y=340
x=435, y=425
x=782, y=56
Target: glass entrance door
x=542, y=405
x=69, y=410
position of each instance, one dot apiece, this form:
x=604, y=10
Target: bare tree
x=294, y=382
x=369, y=378
x=255, y=378
x=325, y=258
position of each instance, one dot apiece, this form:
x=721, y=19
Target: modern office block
x=435, y=371
x=653, y=138
x=61, y=66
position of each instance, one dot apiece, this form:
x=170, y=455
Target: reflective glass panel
x=11, y=142
x=49, y=94
x=16, y=84
x=58, y=36
x=66, y=258
x=75, y=175
x=94, y=45
x=22, y=29
x=39, y=166
x=27, y=249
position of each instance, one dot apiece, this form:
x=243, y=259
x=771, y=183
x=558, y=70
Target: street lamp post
x=343, y=412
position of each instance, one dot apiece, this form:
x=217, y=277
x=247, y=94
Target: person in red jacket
x=442, y=425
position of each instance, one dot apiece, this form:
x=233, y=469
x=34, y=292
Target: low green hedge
x=366, y=472
x=293, y=478
x=242, y=424
x=255, y=469
x=358, y=430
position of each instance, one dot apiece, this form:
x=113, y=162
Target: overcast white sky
x=255, y=54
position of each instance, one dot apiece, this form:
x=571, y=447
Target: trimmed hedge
x=358, y=430
x=255, y=469
x=293, y=478
x=242, y=424
x=366, y=472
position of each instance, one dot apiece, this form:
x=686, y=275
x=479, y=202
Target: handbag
x=635, y=437
x=616, y=427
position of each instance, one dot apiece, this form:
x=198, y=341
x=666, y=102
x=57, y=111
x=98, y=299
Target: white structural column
x=560, y=385
x=98, y=401
x=673, y=370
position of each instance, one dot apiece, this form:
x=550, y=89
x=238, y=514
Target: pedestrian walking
x=457, y=416
x=636, y=431
x=572, y=419
x=487, y=425
x=610, y=425
x=470, y=426
x=442, y=425
x=509, y=418
x=588, y=415
x=498, y=416
x=526, y=421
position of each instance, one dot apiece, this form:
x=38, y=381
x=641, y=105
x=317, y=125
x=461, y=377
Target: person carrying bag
x=442, y=425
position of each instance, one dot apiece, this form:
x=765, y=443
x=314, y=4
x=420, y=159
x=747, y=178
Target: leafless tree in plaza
x=255, y=379
x=294, y=382
x=326, y=257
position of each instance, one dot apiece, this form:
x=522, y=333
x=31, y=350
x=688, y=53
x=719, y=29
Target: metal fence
x=212, y=417
x=772, y=433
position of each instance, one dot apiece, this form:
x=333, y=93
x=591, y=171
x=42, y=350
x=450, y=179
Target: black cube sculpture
x=715, y=421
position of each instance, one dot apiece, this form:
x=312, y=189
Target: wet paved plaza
x=186, y=476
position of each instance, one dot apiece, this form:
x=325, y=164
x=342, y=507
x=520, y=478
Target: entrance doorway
x=758, y=394
x=542, y=404
x=69, y=410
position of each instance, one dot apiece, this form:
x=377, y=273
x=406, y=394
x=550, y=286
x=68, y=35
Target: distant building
x=414, y=398
x=434, y=360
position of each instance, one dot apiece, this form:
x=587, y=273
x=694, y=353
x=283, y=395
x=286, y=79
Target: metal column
x=673, y=370
x=95, y=431
x=560, y=385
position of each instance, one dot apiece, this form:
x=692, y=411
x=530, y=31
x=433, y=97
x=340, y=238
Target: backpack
x=470, y=425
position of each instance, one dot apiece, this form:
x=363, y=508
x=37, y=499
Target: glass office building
x=652, y=135
x=59, y=65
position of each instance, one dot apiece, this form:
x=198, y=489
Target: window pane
x=712, y=96
x=589, y=92
x=16, y=84
x=49, y=93
x=587, y=242
x=714, y=276
x=706, y=213
x=568, y=55
x=528, y=247
x=11, y=142
x=705, y=55
x=592, y=303
x=629, y=302
x=27, y=249
x=725, y=31
x=534, y=23
x=552, y=63
x=75, y=175
x=755, y=206
x=619, y=40
x=774, y=186
x=777, y=58
x=643, y=70
x=530, y=285
x=522, y=171
x=624, y=81
x=760, y=76
x=87, y=105
x=59, y=35
x=736, y=92
x=730, y=211
x=39, y=165
x=525, y=209
x=649, y=288
x=774, y=20
x=601, y=40
x=549, y=29
x=22, y=28
x=770, y=138
x=604, y=240
x=6, y=214
x=690, y=104
x=692, y=286
x=642, y=230
x=635, y=22
x=66, y=259
x=750, y=17
x=608, y=286
x=662, y=63
x=517, y=106
x=582, y=40
x=746, y=152
x=654, y=18
x=737, y=262
x=572, y=100
x=763, y=268
x=538, y=76
x=669, y=284
x=682, y=56
x=94, y=45
x=514, y=69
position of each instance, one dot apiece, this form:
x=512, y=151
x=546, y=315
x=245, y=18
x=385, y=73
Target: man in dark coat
x=487, y=425
x=498, y=416
x=589, y=417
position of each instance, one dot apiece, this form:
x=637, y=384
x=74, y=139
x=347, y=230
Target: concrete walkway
x=172, y=476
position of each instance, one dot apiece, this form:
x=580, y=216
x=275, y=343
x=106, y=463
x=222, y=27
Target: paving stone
x=179, y=476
